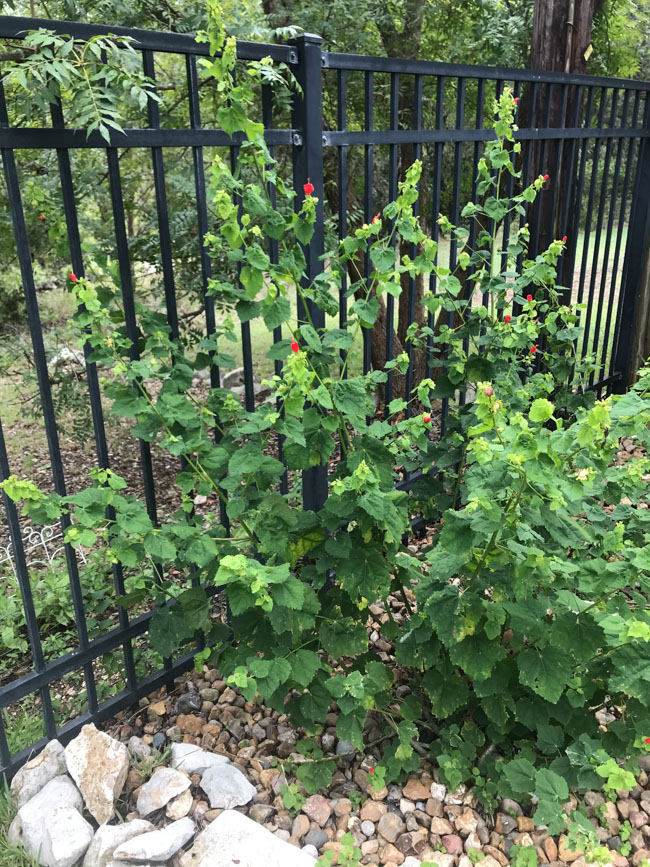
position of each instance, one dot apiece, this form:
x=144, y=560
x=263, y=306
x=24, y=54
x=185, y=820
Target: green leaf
x=383, y=258
x=276, y=311
x=520, y=774
x=545, y=671
x=343, y=637
x=551, y=787
x=159, y=547
x=305, y=664
x=541, y=410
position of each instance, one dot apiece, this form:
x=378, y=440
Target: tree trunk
x=560, y=43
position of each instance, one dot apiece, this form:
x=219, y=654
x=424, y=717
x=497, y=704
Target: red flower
x=371, y=770
x=426, y=419
x=507, y=318
x=489, y=391
x=73, y=277
x=545, y=177
x=533, y=350
x=42, y=218
x=375, y=219
x=516, y=100
x=529, y=297
x=308, y=188
x=647, y=740
x=564, y=239
x=294, y=346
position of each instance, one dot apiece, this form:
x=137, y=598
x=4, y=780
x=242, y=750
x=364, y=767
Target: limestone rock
x=29, y=827
x=226, y=787
x=165, y=784
x=51, y=824
x=193, y=759
x=156, y=845
x=109, y=837
x=66, y=837
x=37, y=773
x=99, y=766
x=234, y=839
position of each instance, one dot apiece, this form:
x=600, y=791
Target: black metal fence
x=356, y=123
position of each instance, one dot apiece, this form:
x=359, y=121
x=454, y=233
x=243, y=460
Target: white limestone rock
x=109, y=837
x=165, y=784
x=66, y=839
x=156, y=845
x=50, y=825
x=235, y=839
x=226, y=787
x=37, y=773
x=193, y=759
x=99, y=765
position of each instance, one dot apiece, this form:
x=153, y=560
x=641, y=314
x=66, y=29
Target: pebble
x=316, y=838
x=367, y=828
x=187, y=703
x=318, y=809
x=453, y=844
x=372, y=811
x=390, y=826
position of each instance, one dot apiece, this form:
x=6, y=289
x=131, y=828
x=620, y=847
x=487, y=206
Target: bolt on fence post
x=632, y=284
x=308, y=163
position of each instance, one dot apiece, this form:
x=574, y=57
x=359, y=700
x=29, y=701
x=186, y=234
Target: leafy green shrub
x=532, y=602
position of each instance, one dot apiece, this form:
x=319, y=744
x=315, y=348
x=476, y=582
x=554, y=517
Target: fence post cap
x=308, y=37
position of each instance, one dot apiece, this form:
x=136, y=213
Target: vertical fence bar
x=40, y=363
x=162, y=211
x=620, y=231
x=596, y=251
x=590, y=209
x=392, y=195
x=308, y=163
x=612, y=197
x=24, y=584
x=368, y=171
x=571, y=258
x=94, y=393
x=412, y=285
x=569, y=197
x=342, y=124
x=638, y=240
x=267, y=119
x=202, y=230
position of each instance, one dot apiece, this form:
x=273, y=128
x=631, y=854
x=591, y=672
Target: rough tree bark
x=560, y=43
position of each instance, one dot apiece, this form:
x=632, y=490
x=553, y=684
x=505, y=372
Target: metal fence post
x=632, y=284
x=308, y=164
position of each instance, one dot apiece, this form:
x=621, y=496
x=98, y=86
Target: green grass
x=10, y=856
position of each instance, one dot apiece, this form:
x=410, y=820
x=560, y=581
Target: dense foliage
x=531, y=602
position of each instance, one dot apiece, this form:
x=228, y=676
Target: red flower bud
x=489, y=391
x=426, y=419
x=564, y=239
x=545, y=177
x=308, y=188
x=73, y=277
x=647, y=740
x=294, y=346
x=507, y=318
x=516, y=100
x=375, y=219
x=533, y=350
x=529, y=297
x=42, y=218
x=371, y=770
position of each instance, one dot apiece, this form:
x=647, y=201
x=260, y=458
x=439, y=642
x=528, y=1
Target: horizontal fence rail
x=590, y=134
